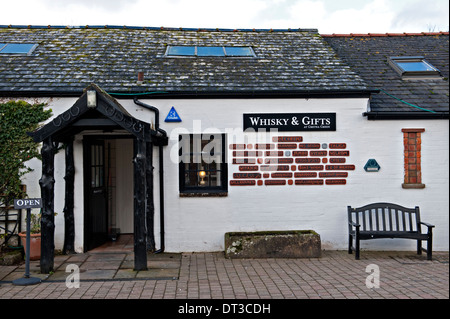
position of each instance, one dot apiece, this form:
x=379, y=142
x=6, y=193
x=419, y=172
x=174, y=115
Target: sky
x=328, y=16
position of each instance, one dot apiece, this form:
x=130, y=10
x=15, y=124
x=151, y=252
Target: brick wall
x=289, y=161
x=412, y=141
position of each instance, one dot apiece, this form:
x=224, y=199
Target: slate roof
x=368, y=55
x=68, y=59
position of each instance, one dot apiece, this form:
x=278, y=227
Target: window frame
x=195, y=54
x=31, y=49
x=394, y=63
x=203, y=190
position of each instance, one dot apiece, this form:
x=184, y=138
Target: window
x=412, y=156
x=209, y=51
x=203, y=167
x=17, y=48
x=413, y=67
x=180, y=51
x=239, y=51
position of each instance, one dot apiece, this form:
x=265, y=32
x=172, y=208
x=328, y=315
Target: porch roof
x=107, y=114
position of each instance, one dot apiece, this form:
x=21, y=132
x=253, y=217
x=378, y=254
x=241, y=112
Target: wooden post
x=150, y=205
x=140, y=236
x=69, y=222
x=47, y=182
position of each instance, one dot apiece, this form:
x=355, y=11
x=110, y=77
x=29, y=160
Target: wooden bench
x=386, y=220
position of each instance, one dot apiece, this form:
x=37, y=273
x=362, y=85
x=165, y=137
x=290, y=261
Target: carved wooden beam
x=47, y=182
x=150, y=204
x=140, y=234
x=69, y=221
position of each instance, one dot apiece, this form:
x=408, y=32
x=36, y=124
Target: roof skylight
x=413, y=66
x=209, y=51
x=17, y=48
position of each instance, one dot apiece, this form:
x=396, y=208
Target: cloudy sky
x=329, y=16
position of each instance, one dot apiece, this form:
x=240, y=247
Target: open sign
x=28, y=203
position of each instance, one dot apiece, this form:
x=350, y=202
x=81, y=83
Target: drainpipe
x=161, y=171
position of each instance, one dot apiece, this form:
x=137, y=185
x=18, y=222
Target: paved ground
x=336, y=275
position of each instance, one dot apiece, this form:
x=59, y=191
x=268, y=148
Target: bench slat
x=411, y=225
x=391, y=225
x=396, y=219
x=383, y=215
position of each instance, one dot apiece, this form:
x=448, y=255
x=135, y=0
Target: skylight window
x=209, y=51
x=239, y=51
x=17, y=48
x=413, y=66
x=180, y=51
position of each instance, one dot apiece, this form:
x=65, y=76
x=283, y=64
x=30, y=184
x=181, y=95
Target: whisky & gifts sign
x=291, y=121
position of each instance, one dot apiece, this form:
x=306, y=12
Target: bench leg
x=357, y=248
x=429, y=248
x=350, y=243
x=419, y=247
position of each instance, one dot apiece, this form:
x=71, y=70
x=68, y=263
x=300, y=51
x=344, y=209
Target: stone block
x=273, y=244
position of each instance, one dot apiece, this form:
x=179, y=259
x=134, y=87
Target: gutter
x=195, y=94
x=406, y=115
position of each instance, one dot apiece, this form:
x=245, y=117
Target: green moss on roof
x=111, y=57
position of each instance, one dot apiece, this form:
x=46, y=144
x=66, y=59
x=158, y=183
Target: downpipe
x=161, y=171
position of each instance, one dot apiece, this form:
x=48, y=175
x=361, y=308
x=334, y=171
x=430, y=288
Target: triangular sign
x=172, y=116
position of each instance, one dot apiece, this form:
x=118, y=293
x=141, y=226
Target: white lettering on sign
x=28, y=203
x=267, y=122
x=291, y=121
x=316, y=121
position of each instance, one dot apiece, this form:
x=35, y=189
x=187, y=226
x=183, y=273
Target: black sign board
x=28, y=203
x=291, y=121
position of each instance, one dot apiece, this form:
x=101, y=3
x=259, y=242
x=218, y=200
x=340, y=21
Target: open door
x=96, y=208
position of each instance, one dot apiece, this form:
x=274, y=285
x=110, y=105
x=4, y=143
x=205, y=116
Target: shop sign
x=28, y=203
x=291, y=121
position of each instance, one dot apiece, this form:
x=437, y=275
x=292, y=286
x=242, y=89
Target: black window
x=203, y=167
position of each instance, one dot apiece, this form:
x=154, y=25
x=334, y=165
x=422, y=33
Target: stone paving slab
x=100, y=266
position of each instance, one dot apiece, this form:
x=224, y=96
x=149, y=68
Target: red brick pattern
x=290, y=161
x=412, y=155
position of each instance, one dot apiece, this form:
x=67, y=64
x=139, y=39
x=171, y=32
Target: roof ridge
x=389, y=34
x=155, y=28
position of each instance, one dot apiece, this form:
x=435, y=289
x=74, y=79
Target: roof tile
x=70, y=58
x=369, y=58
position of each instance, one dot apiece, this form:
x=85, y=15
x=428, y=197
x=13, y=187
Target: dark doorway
x=96, y=195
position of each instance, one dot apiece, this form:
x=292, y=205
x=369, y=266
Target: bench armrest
x=426, y=224
x=354, y=224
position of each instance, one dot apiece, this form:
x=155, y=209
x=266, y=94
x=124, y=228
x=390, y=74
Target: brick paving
x=336, y=275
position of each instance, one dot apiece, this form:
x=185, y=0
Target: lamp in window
x=92, y=99
x=202, y=175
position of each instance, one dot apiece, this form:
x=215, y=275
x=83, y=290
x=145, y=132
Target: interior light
x=202, y=175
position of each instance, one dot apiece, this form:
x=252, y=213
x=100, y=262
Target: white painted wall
x=199, y=223
x=124, y=185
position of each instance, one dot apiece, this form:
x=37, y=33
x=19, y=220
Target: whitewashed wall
x=199, y=223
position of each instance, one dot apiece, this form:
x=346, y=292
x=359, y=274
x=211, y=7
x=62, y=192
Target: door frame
x=87, y=141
